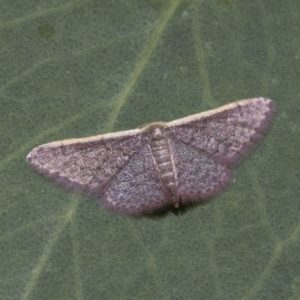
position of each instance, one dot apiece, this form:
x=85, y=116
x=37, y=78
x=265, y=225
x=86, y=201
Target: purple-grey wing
x=116, y=168
x=87, y=164
x=199, y=176
x=137, y=189
x=227, y=133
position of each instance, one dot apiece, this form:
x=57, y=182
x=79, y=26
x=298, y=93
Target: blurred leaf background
x=73, y=68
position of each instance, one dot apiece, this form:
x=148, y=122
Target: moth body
x=141, y=171
x=163, y=159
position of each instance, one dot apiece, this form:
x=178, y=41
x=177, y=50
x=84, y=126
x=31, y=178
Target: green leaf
x=79, y=68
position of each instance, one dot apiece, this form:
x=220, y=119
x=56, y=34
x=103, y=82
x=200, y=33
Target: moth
x=141, y=171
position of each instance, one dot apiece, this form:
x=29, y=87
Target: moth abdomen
x=163, y=159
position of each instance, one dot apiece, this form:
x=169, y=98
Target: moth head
x=156, y=130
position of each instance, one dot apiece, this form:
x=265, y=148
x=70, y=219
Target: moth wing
x=227, y=133
x=199, y=177
x=136, y=189
x=88, y=164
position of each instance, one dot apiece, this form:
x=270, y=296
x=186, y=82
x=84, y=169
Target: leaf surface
x=73, y=69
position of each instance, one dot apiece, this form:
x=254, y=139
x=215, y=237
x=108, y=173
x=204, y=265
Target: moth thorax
x=163, y=159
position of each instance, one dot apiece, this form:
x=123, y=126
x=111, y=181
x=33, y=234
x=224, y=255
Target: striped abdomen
x=163, y=159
